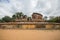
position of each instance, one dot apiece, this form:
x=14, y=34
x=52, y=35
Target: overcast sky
x=45, y=7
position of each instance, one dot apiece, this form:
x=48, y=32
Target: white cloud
x=4, y=9
x=46, y=7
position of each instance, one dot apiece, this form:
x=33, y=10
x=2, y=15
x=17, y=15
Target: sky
x=44, y=7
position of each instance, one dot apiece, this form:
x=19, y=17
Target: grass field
x=15, y=34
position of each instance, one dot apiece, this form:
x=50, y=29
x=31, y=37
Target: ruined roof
x=37, y=14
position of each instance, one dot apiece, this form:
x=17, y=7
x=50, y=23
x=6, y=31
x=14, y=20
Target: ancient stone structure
x=30, y=23
x=37, y=17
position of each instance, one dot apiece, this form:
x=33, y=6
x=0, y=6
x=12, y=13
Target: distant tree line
x=10, y=19
x=52, y=19
x=19, y=15
x=55, y=19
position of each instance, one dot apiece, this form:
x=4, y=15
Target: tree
x=25, y=16
x=45, y=18
x=14, y=17
x=55, y=19
x=29, y=19
x=7, y=19
x=1, y=20
x=18, y=15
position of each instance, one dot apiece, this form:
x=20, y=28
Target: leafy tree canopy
x=55, y=19
x=18, y=15
x=7, y=19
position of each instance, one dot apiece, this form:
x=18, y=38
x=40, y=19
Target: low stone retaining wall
x=30, y=25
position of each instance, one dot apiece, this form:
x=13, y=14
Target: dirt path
x=29, y=34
